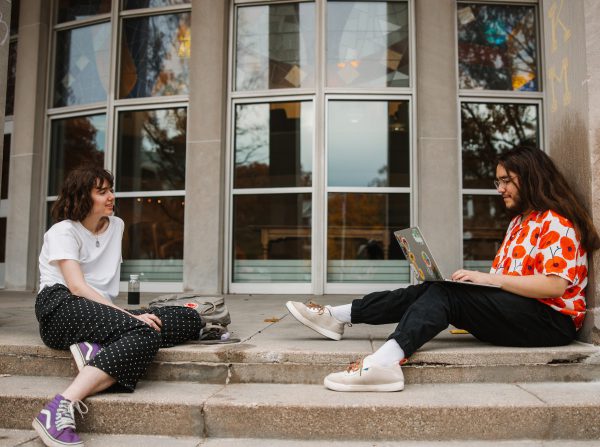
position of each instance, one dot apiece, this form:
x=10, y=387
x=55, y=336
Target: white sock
x=389, y=354
x=341, y=313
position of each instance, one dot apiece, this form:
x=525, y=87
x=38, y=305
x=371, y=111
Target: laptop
x=417, y=252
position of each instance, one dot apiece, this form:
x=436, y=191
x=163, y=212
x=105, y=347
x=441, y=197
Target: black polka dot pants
x=128, y=344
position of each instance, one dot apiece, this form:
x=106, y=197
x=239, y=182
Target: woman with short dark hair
x=80, y=265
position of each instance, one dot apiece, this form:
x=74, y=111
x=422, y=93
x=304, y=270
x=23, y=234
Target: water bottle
x=133, y=290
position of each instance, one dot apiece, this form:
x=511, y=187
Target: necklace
x=95, y=234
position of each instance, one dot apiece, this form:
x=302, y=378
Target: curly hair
x=542, y=187
x=75, y=198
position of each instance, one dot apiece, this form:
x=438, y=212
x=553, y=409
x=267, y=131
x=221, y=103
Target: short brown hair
x=75, y=198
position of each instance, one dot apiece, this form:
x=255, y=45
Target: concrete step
x=466, y=362
x=28, y=438
x=428, y=412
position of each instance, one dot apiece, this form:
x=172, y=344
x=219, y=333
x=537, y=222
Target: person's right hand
x=151, y=320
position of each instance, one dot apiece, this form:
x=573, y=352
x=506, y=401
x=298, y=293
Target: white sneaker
x=318, y=318
x=359, y=377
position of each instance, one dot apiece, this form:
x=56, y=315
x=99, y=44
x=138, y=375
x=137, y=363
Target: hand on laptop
x=474, y=276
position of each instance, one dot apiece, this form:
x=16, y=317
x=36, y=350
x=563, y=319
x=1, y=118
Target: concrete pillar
x=205, y=171
x=5, y=18
x=572, y=65
x=438, y=152
x=23, y=227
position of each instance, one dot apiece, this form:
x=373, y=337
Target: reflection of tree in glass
x=74, y=143
x=497, y=47
x=487, y=130
x=164, y=148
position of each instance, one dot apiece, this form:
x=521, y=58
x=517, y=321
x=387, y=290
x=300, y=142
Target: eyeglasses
x=503, y=182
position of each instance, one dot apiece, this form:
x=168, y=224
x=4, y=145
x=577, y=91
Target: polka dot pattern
x=129, y=345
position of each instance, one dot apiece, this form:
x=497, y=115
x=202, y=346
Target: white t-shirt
x=101, y=266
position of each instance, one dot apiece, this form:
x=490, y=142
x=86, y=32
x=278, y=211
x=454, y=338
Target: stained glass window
x=275, y=46
x=82, y=65
x=155, y=54
x=497, y=47
x=367, y=44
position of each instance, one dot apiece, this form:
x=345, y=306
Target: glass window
x=367, y=44
x=155, y=53
x=484, y=222
x=488, y=129
x=75, y=142
x=497, y=47
x=69, y=10
x=153, y=237
x=139, y=4
x=82, y=65
x=275, y=46
x=11, y=79
x=5, y=166
x=360, y=242
x=272, y=238
x=368, y=143
x=273, y=144
x=15, y=8
x=151, y=150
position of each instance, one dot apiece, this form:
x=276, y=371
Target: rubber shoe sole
x=49, y=440
x=323, y=331
x=387, y=387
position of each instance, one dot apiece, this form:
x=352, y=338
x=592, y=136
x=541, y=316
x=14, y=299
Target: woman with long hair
x=540, y=274
x=80, y=265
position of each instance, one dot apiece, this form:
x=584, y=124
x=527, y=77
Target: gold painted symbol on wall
x=563, y=80
x=554, y=15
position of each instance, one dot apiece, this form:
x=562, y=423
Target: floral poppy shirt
x=546, y=243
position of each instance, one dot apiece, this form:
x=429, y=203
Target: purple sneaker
x=84, y=352
x=56, y=422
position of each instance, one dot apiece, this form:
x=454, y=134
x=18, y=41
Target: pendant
x=97, y=243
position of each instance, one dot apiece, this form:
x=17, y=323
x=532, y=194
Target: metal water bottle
x=133, y=290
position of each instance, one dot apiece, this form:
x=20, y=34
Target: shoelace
x=320, y=309
x=65, y=415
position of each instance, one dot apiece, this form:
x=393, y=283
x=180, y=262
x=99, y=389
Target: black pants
x=491, y=315
x=128, y=344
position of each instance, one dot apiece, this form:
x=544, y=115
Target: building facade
x=274, y=146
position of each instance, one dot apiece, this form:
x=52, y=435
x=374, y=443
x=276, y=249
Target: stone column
x=24, y=217
x=204, y=211
x=4, y=45
x=438, y=154
x=572, y=65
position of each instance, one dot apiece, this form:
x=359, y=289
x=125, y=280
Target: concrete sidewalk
x=269, y=334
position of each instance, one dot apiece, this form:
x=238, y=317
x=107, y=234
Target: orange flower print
x=572, y=273
x=528, y=265
x=506, y=265
x=518, y=252
x=579, y=305
x=548, y=239
x=558, y=302
x=582, y=272
x=523, y=234
x=545, y=226
x=555, y=265
x=564, y=221
x=539, y=262
x=568, y=248
x=496, y=261
x=572, y=292
x=535, y=235
x=578, y=320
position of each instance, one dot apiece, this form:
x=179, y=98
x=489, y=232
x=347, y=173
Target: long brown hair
x=542, y=187
x=75, y=198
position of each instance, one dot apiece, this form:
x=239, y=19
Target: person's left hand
x=473, y=276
